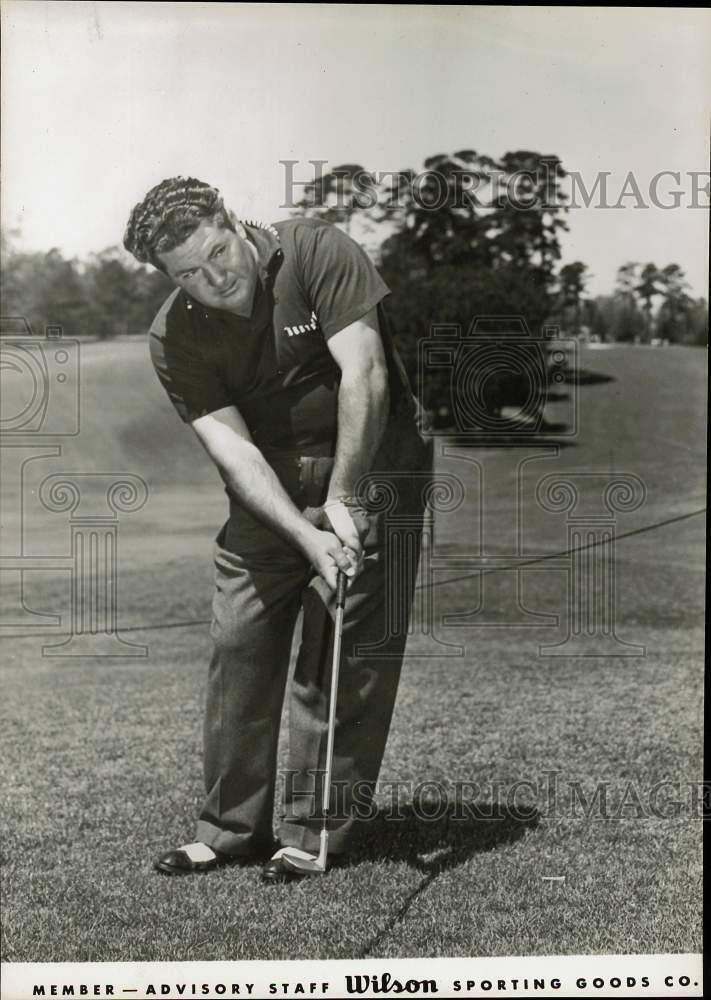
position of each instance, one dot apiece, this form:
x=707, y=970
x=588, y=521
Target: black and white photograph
x=353, y=442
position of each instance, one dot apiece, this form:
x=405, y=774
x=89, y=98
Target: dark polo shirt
x=275, y=367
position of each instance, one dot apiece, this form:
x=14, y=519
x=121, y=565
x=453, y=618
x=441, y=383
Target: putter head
x=301, y=861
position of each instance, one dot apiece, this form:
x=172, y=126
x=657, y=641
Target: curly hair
x=168, y=214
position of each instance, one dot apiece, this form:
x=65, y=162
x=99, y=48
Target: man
x=273, y=348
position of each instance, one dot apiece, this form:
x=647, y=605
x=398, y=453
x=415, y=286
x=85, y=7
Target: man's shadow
x=452, y=836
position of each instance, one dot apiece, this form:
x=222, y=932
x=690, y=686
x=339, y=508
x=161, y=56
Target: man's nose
x=215, y=276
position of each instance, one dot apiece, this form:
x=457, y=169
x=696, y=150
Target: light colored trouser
x=261, y=584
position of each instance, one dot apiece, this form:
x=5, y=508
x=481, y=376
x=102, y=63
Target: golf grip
x=341, y=589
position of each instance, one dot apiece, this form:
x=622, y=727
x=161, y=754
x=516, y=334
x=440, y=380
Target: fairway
x=505, y=742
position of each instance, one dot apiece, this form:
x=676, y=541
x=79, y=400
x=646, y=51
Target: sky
x=102, y=100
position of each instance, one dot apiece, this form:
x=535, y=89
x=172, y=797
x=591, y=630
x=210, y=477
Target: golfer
x=274, y=348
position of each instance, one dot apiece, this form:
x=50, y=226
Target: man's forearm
x=363, y=402
x=256, y=486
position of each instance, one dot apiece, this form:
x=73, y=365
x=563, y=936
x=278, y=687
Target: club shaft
x=333, y=698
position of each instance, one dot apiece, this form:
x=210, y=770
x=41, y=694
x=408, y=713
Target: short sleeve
x=339, y=277
x=190, y=379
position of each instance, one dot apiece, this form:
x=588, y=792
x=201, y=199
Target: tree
x=673, y=316
x=627, y=280
x=527, y=216
x=617, y=318
x=467, y=236
x=124, y=298
x=648, y=287
x=620, y=312
x=571, y=280
x=103, y=297
x=697, y=324
x=641, y=286
x=464, y=247
x=46, y=289
x=444, y=220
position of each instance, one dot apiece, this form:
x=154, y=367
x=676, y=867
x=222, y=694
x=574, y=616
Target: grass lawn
x=101, y=757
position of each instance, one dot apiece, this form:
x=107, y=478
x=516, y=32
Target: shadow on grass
x=510, y=440
x=581, y=376
x=436, y=845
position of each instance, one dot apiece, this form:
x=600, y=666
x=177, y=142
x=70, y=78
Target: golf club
x=294, y=857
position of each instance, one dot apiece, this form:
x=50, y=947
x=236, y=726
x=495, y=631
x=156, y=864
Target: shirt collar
x=266, y=240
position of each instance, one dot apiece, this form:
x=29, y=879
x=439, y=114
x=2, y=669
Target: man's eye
x=188, y=274
x=218, y=251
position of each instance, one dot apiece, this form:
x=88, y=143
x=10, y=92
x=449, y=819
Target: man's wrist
x=304, y=534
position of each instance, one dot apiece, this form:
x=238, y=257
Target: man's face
x=215, y=266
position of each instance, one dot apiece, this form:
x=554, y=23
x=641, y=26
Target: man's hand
x=344, y=527
x=350, y=526
x=326, y=554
